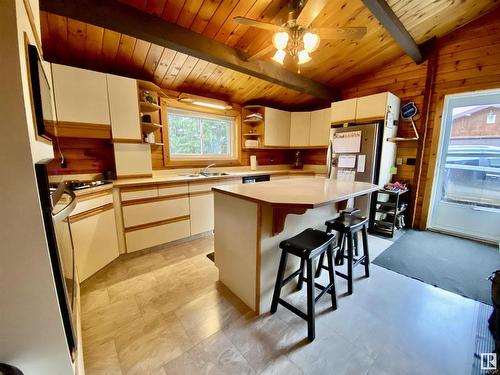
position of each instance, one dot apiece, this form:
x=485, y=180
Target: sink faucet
x=205, y=170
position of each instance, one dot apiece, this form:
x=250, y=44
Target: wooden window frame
x=235, y=112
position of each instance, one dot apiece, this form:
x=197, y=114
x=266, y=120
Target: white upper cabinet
x=343, y=111
x=320, y=127
x=372, y=106
x=277, y=127
x=133, y=159
x=123, y=108
x=300, y=125
x=80, y=95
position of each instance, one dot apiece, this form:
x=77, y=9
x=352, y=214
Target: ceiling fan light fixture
x=311, y=41
x=303, y=57
x=279, y=56
x=280, y=40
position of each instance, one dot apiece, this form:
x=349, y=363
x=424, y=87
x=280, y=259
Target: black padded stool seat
x=345, y=223
x=348, y=227
x=307, y=245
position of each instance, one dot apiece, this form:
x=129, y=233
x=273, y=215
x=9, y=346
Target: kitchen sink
x=214, y=174
x=205, y=174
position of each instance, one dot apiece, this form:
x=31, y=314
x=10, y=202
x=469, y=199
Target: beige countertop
x=185, y=177
x=306, y=192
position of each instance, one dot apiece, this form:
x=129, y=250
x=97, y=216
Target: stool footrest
x=342, y=275
x=324, y=289
x=293, y=309
x=291, y=277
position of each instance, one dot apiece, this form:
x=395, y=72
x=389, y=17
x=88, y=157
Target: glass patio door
x=466, y=190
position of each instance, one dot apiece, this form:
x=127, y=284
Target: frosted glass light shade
x=280, y=40
x=311, y=41
x=279, y=56
x=303, y=57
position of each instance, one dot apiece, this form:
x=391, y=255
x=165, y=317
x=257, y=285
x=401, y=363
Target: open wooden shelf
x=156, y=144
x=150, y=127
x=252, y=121
x=251, y=134
x=148, y=107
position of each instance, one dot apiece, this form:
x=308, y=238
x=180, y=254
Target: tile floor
x=163, y=312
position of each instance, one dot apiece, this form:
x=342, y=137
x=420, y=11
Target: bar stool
x=348, y=226
x=307, y=245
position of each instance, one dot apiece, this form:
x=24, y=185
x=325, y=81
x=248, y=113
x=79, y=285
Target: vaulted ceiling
x=335, y=63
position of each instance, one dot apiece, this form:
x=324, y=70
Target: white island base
x=247, y=233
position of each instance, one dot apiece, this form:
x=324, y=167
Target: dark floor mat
x=458, y=265
x=484, y=342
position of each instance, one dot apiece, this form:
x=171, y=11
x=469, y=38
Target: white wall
x=31, y=332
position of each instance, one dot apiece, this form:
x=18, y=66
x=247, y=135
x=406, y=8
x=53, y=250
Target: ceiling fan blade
x=353, y=33
x=310, y=11
x=261, y=25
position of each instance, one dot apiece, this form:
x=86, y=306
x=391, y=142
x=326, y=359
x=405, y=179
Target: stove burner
x=79, y=185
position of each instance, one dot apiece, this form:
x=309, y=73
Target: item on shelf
x=147, y=97
x=149, y=138
x=297, y=161
x=253, y=162
x=146, y=118
x=395, y=186
x=251, y=143
x=254, y=116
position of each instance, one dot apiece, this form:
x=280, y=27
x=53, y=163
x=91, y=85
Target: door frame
x=444, y=134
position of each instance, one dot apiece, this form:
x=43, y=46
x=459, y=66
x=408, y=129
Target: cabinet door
x=133, y=159
x=123, y=108
x=320, y=127
x=80, y=95
x=343, y=111
x=371, y=107
x=300, y=124
x=95, y=242
x=201, y=209
x=276, y=127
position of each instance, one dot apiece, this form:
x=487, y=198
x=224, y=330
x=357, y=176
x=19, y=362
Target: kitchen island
x=252, y=219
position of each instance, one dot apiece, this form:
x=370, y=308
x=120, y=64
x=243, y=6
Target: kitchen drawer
x=154, y=210
x=156, y=235
x=195, y=187
x=138, y=192
x=172, y=189
x=86, y=203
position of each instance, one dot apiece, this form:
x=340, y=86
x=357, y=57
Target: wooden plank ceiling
x=336, y=63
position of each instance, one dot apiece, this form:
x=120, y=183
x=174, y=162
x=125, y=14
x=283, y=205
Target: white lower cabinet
x=202, y=212
x=156, y=235
x=154, y=211
x=95, y=241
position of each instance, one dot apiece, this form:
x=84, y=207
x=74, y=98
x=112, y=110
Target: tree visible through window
x=199, y=135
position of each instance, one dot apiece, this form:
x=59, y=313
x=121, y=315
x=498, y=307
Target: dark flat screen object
x=40, y=91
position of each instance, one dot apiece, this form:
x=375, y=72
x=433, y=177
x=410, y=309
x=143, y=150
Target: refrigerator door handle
x=329, y=159
x=64, y=213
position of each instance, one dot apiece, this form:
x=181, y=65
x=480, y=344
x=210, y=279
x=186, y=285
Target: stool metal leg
x=350, y=257
x=331, y=272
x=311, y=332
x=279, y=281
x=301, y=274
x=365, y=251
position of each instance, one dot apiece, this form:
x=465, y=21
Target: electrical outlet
x=399, y=161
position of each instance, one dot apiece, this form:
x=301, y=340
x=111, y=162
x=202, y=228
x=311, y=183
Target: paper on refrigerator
x=347, y=142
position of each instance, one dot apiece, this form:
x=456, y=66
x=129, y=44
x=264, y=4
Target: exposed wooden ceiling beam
x=393, y=25
x=113, y=15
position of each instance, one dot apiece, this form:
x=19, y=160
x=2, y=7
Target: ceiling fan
x=295, y=37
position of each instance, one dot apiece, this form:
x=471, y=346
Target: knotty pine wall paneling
x=467, y=60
